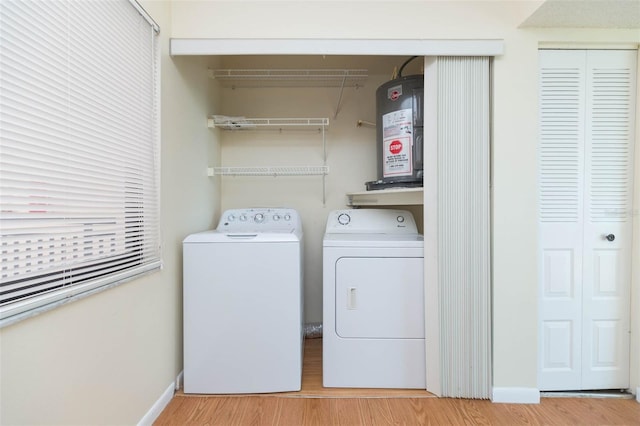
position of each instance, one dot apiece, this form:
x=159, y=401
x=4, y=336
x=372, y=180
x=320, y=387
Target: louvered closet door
x=587, y=101
x=608, y=212
x=561, y=181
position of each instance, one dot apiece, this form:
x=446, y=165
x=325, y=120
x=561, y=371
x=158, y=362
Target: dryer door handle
x=242, y=235
x=351, y=298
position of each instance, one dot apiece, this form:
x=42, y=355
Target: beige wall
x=107, y=358
x=454, y=19
x=514, y=156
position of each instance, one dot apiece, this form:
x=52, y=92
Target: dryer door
x=380, y=297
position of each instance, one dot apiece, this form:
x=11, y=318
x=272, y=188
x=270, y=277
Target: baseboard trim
x=158, y=406
x=180, y=380
x=516, y=395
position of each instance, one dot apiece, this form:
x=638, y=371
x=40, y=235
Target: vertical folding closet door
x=457, y=226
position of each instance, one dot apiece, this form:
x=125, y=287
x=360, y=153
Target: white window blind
x=79, y=150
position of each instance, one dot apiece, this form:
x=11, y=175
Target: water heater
x=399, y=132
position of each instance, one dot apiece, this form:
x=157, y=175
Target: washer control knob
x=276, y=217
x=231, y=218
x=287, y=217
x=400, y=219
x=259, y=218
x=243, y=218
x=344, y=219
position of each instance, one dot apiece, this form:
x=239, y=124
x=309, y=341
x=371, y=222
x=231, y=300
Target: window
x=79, y=150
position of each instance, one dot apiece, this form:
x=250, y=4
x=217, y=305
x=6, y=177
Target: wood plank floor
x=315, y=405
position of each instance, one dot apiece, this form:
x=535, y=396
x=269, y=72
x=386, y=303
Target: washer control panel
x=371, y=221
x=260, y=220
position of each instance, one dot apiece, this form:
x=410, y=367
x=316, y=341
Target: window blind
x=79, y=150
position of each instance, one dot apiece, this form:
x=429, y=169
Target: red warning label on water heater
x=395, y=147
x=397, y=139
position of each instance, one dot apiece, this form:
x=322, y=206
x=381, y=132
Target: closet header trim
x=400, y=47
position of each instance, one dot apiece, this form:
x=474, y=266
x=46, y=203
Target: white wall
x=515, y=129
x=107, y=358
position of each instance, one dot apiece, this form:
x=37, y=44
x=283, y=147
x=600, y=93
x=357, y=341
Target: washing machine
x=243, y=304
x=373, y=300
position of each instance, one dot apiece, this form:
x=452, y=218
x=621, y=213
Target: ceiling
x=586, y=14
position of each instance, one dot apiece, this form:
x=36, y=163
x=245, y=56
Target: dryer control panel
x=371, y=221
x=260, y=220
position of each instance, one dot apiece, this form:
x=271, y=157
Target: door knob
x=610, y=237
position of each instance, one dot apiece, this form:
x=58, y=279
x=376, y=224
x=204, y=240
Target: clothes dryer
x=373, y=312
x=243, y=304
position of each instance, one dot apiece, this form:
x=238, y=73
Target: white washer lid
x=241, y=237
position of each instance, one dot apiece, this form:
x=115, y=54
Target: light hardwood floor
x=315, y=405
